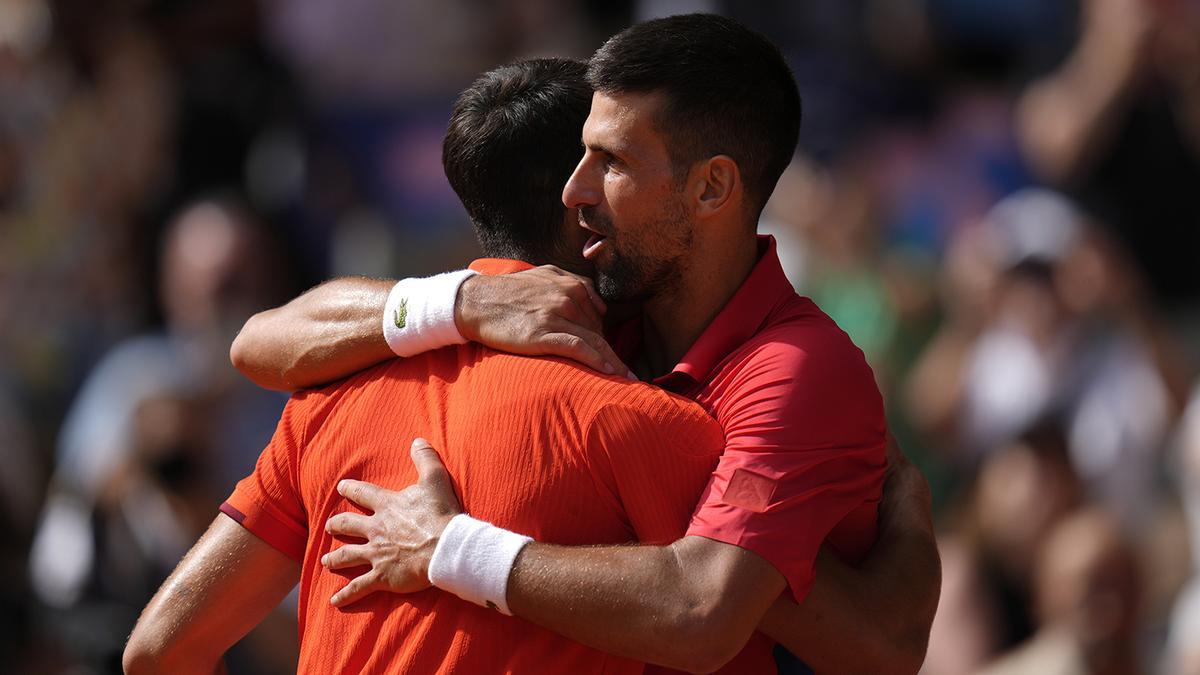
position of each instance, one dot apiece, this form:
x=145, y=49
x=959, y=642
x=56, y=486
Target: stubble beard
x=637, y=276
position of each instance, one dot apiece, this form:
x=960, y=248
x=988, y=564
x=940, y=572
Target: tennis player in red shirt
x=580, y=489
x=693, y=120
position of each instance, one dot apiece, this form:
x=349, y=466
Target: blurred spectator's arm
x=223, y=588
x=329, y=332
x=887, y=603
x=1066, y=118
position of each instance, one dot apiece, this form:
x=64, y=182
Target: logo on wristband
x=401, y=313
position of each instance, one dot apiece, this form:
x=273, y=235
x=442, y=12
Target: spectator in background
x=1051, y=325
x=161, y=425
x=1024, y=490
x=1117, y=125
x=1182, y=656
x=1088, y=596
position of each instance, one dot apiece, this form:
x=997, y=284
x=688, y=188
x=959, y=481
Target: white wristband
x=419, y=314
x=473, y=560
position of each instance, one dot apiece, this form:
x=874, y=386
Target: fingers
x=618, y=367
x=348, y=525
x=593, y=295
x=430, y=469
x=583, y=290
x=576, y=348
x=351, y=555
x=587, y=347
x=578, y=308
x=358, y=588
x=364, y=494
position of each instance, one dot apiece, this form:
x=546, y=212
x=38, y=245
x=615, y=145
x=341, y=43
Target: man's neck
x=674, y=321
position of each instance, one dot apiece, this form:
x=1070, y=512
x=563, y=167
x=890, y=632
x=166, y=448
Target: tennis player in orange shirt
x=321, y=439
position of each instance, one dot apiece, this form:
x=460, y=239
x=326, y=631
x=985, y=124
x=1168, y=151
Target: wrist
x=419, y=313
x=474, y=560
x=466, y=315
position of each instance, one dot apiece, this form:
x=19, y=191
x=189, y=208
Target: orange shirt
x=543, y=447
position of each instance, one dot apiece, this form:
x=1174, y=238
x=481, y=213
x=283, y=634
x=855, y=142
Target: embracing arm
x=222, y=588
x=330, y=331
x=887, y=603
x=336, y=329
x=691, y=605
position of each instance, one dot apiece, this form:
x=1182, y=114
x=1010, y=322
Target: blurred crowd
x=998, y=199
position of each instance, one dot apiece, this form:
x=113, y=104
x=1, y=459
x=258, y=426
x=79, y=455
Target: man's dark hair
x=728, y=92
x=512, y=143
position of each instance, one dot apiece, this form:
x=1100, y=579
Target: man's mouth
x=594, y=245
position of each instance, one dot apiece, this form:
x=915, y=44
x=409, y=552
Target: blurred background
x=998, y=199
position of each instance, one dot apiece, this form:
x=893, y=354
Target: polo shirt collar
x=494, y=266
x=740, y=319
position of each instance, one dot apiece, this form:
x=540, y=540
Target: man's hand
x=537, y=312
x=401, y=532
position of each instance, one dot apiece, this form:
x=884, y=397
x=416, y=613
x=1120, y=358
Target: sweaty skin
x=223, y=587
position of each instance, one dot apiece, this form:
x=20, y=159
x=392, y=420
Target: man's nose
x=582, y=188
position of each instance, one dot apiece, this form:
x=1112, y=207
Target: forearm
x=837, y=629
x=329, y=332
x=225, y=586
x=1066, y=118
x=667, y=605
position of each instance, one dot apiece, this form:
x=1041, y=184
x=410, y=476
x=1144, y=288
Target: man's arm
x=330, y=331
x=887, y=603
x=222, y=588
x=691, y=605
x=335, y=329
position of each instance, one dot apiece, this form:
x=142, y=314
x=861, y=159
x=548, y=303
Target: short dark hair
x=512, y=143
x=728, y=91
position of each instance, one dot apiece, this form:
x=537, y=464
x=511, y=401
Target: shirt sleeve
x=805, y=450
x=658, y=452
x=268, y=501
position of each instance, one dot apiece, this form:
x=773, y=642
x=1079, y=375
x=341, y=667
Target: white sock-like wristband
x=419, y=314
x=473, y=560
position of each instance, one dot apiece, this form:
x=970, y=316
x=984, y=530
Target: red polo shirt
x=805, y=436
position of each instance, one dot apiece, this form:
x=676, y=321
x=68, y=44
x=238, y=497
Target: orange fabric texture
x=543, y=447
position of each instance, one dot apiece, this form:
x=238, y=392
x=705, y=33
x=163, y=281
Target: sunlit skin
x=683, y=244
x=627, y=195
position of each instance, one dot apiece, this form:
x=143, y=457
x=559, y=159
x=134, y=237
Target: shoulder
x=802, y=372
x=801, y=340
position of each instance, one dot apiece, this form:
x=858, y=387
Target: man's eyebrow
x=604, y=148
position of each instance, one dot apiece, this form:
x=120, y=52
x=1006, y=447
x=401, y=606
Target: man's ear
x=718, y=185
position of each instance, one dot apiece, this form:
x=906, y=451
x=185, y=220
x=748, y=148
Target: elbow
x=150, y=652
x=247, y=356
x=135, y=662
x=242, y=350
x=141, y=656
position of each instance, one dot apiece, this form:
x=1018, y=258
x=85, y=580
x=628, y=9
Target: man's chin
x=614, y=290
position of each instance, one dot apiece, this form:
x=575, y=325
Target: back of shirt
x=542, y=447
